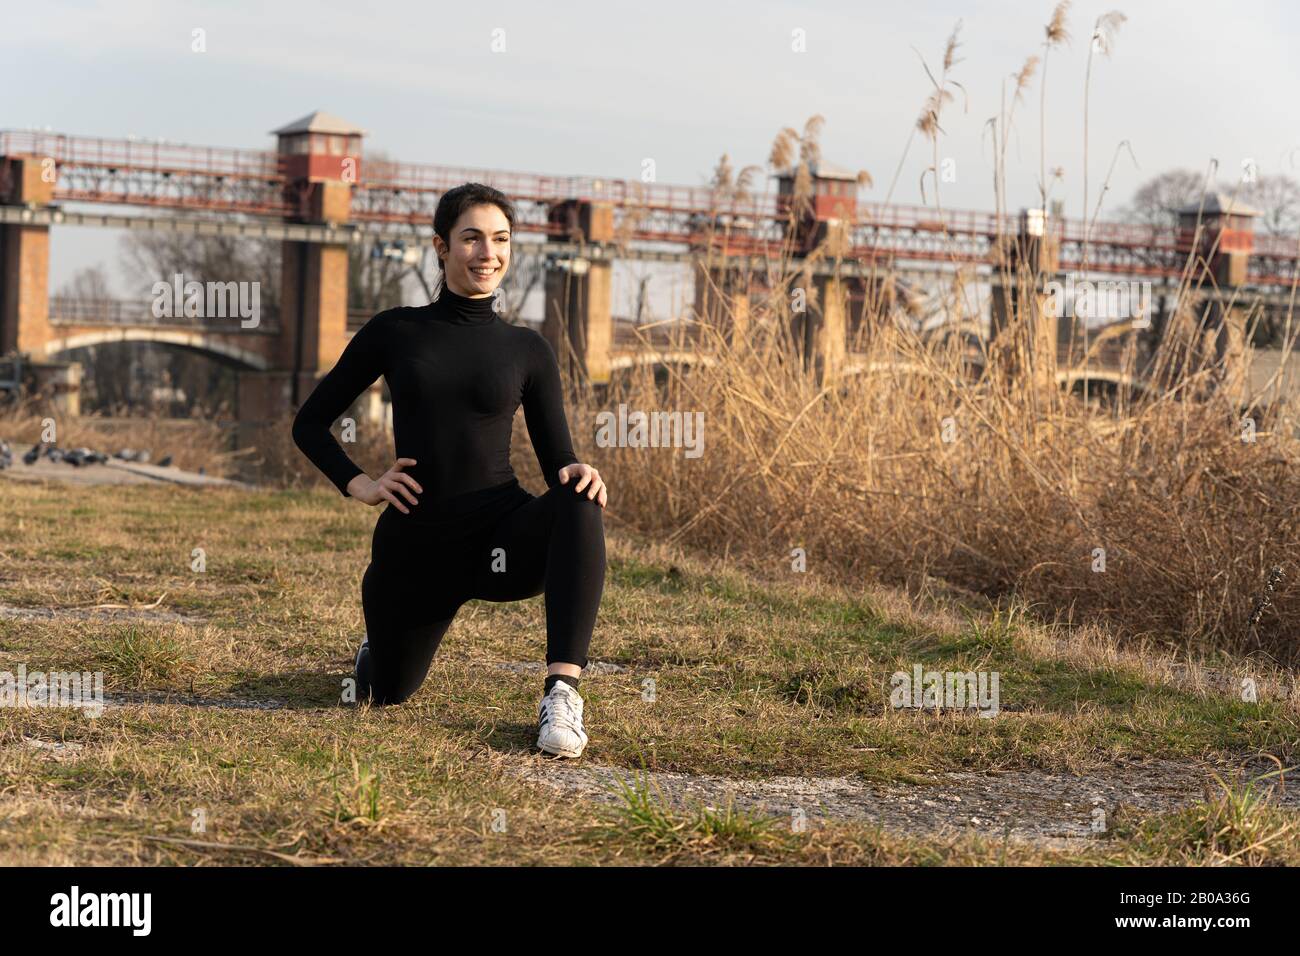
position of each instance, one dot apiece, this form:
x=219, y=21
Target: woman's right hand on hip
x=391, y=486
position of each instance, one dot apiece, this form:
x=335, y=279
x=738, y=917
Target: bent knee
x=576, y=499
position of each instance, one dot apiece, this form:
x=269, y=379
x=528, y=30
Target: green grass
x=643, y=818
x=752, y=678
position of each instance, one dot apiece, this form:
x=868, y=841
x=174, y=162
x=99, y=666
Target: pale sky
x=596, y=88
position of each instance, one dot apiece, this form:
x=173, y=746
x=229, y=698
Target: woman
x=459, y=525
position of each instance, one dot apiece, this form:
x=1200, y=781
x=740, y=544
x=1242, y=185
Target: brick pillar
x=871, y=300
x=1228, y=325
x=25, y=257
x=578, y=295
x=828, y=330
x=60, y=384
x=1227, y=318
x=1023, y=328
x=722, y=298
x=314, y=289
x=823, y=328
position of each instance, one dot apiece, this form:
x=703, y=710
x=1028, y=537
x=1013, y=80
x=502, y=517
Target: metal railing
x=77, y=310
x=127, y=154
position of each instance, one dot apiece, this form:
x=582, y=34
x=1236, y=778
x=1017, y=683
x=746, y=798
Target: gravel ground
x=1051, y=809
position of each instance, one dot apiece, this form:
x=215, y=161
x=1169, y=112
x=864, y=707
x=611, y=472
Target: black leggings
x=416, y=582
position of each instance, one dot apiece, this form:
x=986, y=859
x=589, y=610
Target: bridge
x=80, y=322
x=318, y=195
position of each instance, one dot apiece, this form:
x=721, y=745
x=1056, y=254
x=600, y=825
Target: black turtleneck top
x=457, y=373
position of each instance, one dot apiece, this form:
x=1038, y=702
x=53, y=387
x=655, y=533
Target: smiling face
x=478, y=255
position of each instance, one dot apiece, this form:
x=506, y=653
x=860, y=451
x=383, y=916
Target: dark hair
x=454, y=202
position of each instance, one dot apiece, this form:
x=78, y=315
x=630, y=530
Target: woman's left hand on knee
x=589, y=481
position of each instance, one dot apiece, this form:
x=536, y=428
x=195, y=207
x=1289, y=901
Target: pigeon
x=165, y=461
x=54, y=454
x=126, y=454
x=142, y=456
x=33, y=454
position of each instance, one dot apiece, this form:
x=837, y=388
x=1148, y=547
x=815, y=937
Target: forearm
x=548, y=427
x=357, y=485
x=551, y=470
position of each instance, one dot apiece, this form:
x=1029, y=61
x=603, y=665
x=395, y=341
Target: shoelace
x=563, y=712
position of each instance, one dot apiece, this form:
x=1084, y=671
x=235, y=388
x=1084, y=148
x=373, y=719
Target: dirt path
x=114, y=472
x=1049, y=809
x=1045, y=809
x=99, y=612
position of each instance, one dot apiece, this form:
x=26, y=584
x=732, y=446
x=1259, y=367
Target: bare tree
x=375, y=275
x=1157, y=201
x=1277, y=197
x=527, y=271
x=89, y=285
x=106, y=371
x=149, y=257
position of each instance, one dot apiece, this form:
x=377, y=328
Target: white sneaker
x=560, y=722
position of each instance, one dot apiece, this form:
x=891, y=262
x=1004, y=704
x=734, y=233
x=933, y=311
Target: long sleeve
x=356, y=370
x=544, y=412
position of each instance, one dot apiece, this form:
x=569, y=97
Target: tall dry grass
x=857, y=471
